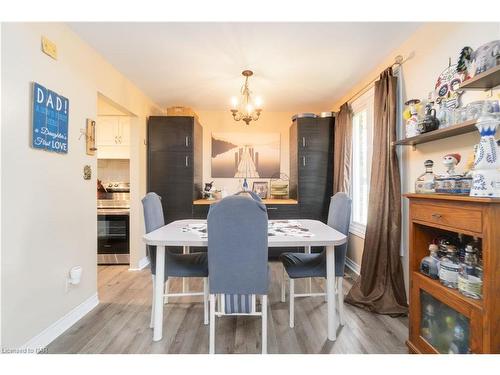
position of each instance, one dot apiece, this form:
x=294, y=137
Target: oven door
x=113, y=238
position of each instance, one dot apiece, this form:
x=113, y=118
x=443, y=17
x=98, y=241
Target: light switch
x=49, y=48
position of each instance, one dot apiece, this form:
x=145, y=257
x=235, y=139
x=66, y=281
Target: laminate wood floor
x=120, y=323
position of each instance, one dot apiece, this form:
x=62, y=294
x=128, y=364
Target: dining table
x=177, y=233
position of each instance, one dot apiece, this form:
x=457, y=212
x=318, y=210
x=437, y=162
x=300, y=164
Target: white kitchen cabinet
x=113, y=137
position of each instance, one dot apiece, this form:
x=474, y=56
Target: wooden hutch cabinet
x=431, y=303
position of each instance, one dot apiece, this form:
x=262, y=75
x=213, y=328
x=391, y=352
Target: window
x=362, y=131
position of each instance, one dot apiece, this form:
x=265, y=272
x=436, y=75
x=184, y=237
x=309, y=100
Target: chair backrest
x=153, y=219
x=237, y=246
x=339, y=218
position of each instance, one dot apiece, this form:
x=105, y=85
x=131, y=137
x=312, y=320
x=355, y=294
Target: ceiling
x=298, y=66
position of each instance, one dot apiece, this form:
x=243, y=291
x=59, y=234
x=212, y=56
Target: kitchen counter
x=200, y=202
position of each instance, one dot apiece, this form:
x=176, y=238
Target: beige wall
x=48, y=210
x=431, y=46
x=222, y=121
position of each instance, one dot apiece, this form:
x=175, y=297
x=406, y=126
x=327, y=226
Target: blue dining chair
x=237, y=260
x=302, y=265
x=176, y=265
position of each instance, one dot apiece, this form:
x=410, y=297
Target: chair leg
x=151, y=323
x=340, y=296
x=307, y=250
x=211, y=346
x=205, y=300
x=283, y=281
x=165, y=298
x=292, y=302
x=326, y=294
x=264, y=324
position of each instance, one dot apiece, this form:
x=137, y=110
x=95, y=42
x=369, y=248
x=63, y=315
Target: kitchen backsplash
x=113, y=170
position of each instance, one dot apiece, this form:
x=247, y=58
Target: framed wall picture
x=245, y=155
x=261, y=188
x=49, y=120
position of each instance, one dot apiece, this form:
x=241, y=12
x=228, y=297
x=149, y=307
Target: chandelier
x=246, y=108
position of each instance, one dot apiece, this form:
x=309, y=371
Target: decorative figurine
x=486, y=173
x=207, y=191
x=425, y=183
x=411, y=116
x=430, y=122
x=451, y=181
x=450, y=161
x=464, y=64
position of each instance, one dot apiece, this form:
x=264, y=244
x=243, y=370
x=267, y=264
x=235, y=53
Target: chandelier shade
x=246, y=108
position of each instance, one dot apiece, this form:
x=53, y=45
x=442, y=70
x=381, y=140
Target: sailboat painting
x=245, y=155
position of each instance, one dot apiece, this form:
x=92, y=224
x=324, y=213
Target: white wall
x=48, y=210
x=431, y=46
x=222, y=121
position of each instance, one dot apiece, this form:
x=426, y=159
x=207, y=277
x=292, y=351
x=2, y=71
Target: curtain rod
x=398, y=61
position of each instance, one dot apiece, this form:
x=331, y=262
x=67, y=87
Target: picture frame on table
x=261, y=188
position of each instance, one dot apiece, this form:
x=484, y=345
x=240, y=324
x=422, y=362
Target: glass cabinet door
x=447, y=330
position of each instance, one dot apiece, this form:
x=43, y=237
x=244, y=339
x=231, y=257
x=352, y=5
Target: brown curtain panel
x=342, y=150
x=380, y=287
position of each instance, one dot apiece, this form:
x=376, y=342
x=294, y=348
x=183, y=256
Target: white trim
x=143, y=263
x=353, y=266
x=357, y=229
x=53, y=331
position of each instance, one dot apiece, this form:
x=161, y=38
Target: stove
x=113, y=224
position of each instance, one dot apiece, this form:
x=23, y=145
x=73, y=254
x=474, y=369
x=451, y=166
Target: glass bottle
x=470, y=281
x=425, y=183
x=429, y=265
x=461, y=247
x=449, y=268
x=476, y=245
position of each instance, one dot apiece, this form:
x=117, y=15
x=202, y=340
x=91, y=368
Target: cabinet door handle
x=304, y=142
x=116, y=139
x=272, y=208
x=437, y=216
x=187, y=161
x=304, y=161
x=187, y=141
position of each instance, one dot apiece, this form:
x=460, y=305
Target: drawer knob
x=436, y=216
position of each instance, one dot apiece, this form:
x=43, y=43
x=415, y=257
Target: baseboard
x=143, y=263
x=353, y=266
x=49, y=334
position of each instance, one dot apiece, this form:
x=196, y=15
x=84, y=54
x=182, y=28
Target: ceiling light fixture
x=246, y=108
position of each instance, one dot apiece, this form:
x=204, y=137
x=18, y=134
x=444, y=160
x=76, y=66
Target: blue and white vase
x=486, y=173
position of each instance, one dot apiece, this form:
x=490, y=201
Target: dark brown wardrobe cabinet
x=174, y=169
x=311, y=166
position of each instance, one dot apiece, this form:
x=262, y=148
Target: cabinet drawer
x=454, y=217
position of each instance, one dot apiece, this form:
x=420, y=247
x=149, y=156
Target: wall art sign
x=245, y=155
x=50, y=120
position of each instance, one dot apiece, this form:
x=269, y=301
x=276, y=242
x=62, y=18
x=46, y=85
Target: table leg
x=159, y=290
x=185, y=286
x=309, y=280
x=330, y=290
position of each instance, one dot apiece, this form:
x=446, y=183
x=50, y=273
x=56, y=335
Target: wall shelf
x=483, y=81
x=462, y=128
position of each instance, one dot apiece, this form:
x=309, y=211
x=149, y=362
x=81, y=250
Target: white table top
x=172, y=235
